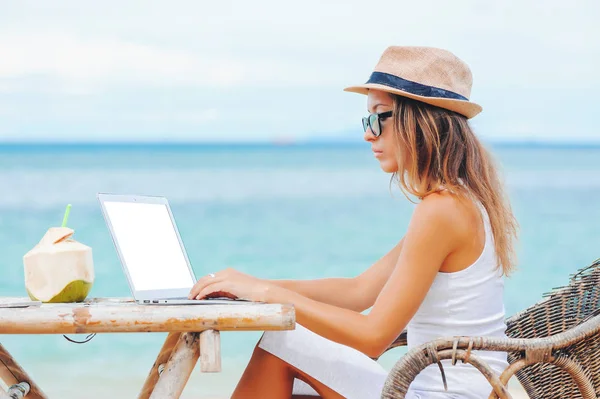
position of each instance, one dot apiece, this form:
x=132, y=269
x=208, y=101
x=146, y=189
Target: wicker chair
x=553, y=347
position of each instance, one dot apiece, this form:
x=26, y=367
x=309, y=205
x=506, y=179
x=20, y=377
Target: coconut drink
x=58, y=268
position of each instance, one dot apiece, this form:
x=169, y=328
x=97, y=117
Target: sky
x=275, y=70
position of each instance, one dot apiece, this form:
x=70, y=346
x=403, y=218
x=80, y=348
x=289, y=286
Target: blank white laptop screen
x=149, y=245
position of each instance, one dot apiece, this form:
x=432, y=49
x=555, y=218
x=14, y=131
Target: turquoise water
x=275, y=212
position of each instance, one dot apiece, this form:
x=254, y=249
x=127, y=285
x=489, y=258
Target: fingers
x=212, y=290
x=201, y=284
x=208, y=281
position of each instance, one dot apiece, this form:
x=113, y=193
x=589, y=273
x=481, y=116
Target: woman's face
x=384, y=147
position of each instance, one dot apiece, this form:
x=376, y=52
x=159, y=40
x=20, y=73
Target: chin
x=388, y=167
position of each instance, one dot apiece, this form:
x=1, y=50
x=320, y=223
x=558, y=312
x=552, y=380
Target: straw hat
x=431, y=75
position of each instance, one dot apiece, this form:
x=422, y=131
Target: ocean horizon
x=351, y=139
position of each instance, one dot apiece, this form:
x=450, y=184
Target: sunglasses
x=373, y=121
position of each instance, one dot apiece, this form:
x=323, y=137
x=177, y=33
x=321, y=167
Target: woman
x=443, y=278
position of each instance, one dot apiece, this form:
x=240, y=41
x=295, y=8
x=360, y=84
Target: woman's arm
x=356, y=293
x=340, y=292
x=432, y=235
x=436, y=230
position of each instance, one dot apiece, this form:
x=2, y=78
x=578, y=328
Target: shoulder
x=444, y=206
x=444, y=214
x=437, y=229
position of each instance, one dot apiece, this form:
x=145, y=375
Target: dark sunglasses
x=373, y=121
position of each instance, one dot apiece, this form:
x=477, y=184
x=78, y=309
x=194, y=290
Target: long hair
x=438, y=150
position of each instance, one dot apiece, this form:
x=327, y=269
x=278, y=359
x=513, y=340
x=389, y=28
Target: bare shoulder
x=437, y=230
x=443, y=205
x=447, y=211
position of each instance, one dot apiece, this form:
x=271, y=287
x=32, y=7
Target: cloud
x=75, y=69
x=235, y=43
x=96, y=61
x=76, y=65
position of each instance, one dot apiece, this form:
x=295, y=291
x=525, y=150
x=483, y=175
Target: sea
x=302, y=211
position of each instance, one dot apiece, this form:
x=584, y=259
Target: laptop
x=151, y=251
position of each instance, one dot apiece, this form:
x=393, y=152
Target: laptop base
x=185, y=301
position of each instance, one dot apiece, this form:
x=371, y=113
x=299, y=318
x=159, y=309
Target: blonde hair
x=438, y=150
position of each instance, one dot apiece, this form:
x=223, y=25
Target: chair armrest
x=532, y=350
x=456, y=348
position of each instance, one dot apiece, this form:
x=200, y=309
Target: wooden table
x=193, y=333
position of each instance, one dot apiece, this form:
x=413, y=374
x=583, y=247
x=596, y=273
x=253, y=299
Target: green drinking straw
x=66, y=217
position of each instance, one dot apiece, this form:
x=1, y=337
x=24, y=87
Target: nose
x=369, y=136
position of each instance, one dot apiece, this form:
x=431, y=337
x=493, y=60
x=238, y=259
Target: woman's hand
x=232, y=284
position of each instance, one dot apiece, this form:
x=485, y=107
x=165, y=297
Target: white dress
x=465, y=303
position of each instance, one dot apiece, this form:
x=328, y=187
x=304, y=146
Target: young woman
x=443, y=278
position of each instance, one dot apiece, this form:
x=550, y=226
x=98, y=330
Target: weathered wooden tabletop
x=193, y=334
x=106, y=315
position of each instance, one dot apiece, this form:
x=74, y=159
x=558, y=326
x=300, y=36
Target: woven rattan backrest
x=559, y=311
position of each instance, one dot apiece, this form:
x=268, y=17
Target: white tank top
x=469, y=302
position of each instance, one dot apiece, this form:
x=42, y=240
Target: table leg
x=162, y=358
x=12, y=373
x=210, y=351
x=179, y=367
